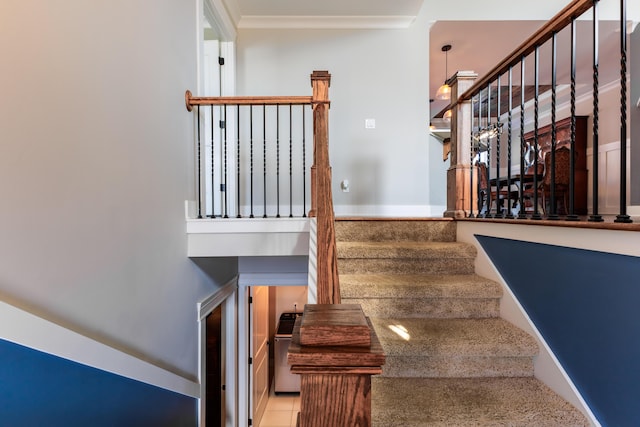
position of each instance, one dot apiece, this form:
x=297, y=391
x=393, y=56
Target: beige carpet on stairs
x=451, y=361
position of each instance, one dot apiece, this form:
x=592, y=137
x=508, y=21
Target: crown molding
x=325, y=22
x=220, y=19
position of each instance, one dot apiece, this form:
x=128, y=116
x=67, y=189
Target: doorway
x=215, y=387
x=259, y=348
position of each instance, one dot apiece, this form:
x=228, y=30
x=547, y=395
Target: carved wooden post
x=328, y=284
x=335, y=350
x=459, y=192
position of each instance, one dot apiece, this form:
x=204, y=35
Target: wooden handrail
x=557, y=23
x=328, y=284
x=191, y=100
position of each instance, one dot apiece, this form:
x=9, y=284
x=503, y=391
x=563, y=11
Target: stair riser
x=456, y=366
x=438, y=308
x=378, y=231
x=405, y=266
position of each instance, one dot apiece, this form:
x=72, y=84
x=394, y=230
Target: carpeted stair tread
x=405, y=250
x=395, y=230
x=466, y=402
x=413, y=286
x=450, y=359
x=454, y=337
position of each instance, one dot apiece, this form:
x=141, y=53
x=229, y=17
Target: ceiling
x=476, y=45
x=480, y=45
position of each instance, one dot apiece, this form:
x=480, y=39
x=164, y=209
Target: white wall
x=95, y=161
x=377, y=74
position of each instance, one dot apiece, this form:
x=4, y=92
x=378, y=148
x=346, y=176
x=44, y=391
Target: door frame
x=245, y=281
x=227, y=298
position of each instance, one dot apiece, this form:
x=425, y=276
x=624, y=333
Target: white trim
x=247, y=237
x=31, y=331
x=225, y=295
x=325, y=22
x=545, y=352
x=547, y=366
x=248, y=225
x=273, y=279
x=228, y=70
x=398, y=211
x=219, y=18
x=633, y=210
x=206, y=306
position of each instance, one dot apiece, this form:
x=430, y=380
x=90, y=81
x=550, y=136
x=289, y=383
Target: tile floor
x=282, y=410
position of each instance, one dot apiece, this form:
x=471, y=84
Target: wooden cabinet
x=563, y=138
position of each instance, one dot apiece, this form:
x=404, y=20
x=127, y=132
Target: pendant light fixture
x=444, y=91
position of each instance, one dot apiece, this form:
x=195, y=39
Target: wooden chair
x=528, y=191
x=495, y=195
x=562, y=177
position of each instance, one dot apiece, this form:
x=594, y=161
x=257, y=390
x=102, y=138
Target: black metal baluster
x=277, y=161
x=304, y=165
x=226, y=194
x=199, y=166
x=500, y=214
x=509, y=142
x=290, y=161
x=488, y=133
x=484, y=210
x=264, y=158
x=623, y=217
x=553, y=213
x=536, y=117
x=572, y=158
x=238, y=214
x=472, y=157
x=522, y=214
x=251, y=158
x=595, y=217
x=213, y=158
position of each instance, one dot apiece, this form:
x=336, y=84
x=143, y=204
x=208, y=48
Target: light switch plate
x=370, y=123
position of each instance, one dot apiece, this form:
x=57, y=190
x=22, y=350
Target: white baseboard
x=391, y=211
x=45, y=336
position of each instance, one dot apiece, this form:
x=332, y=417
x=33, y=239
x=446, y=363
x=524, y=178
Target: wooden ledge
x=381, y=218
x=607, y=225
x=334, y=324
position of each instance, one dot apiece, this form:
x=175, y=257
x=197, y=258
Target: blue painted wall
x=586, y=304
x=38, y=389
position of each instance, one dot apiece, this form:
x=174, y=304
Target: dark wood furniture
x=563, y=138
x=335, y=383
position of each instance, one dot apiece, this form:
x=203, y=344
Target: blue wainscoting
x=586, y=304
x=38, y=389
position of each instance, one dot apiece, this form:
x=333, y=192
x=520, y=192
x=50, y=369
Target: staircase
x=451, y=360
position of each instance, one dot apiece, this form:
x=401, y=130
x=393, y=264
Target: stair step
x=462, y=402
x=405, y=257
x=454, y=347
x=378, y=229
x=392, y=250
x=434, y=296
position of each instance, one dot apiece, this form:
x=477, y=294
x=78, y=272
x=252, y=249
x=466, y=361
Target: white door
x=259, y=368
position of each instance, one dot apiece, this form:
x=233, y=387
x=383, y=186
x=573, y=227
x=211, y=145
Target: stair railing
x=483, y=115
x=253, y=133
x=328, y=284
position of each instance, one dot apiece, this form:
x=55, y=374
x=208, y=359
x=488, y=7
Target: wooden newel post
x=328, y=285
x=335, y=350
x=460, y=195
